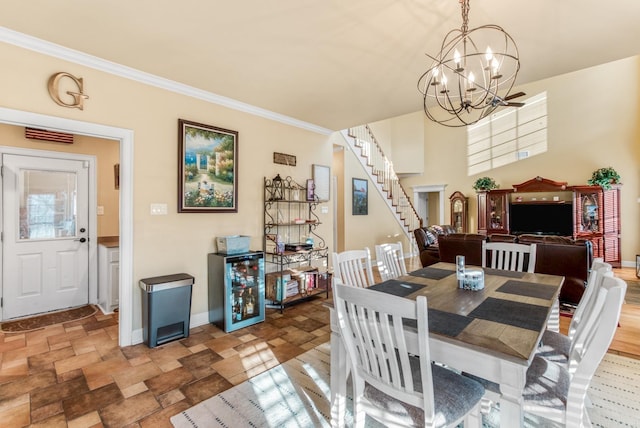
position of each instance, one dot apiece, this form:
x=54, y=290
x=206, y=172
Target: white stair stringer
x=379, y=169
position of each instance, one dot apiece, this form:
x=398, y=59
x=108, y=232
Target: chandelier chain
x=465, y=16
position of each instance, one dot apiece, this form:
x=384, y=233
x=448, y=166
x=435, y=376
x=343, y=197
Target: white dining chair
x=353, y=267
x=390, y=260
x=391, y=385
x=556, y=346
x=509, y=256
x=558, y=392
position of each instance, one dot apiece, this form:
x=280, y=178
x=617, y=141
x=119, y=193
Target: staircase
x=380, y=171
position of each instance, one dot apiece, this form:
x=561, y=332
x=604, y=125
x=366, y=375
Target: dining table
x=492, y=333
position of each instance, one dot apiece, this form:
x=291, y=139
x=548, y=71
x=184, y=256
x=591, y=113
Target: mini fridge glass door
x=244, y=290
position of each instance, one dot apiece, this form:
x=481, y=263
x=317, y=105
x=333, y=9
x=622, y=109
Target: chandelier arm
x=487, y=91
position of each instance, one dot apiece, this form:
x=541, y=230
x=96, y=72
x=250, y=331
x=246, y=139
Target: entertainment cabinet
x=546, y=207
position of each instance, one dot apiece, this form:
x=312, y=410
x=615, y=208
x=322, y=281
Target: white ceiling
x=330, y=63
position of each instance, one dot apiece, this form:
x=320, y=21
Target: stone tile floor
x=74, y=374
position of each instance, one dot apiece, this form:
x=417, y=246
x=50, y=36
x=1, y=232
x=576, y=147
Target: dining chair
x=556, y=346
x=390, y=384
x=390, y=260
x=509, y=256
x=559, y=392
x=353, y=267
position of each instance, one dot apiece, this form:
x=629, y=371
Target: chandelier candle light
x=472, y=74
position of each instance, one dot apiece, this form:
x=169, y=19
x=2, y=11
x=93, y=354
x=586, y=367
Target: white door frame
x=92, y=225
x=125, y=137
x=436, y=188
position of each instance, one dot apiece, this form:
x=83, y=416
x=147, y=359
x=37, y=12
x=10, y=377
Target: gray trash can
x=166, y=308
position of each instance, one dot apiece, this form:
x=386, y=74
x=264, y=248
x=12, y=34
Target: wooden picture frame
x=360, y=196
x=207, y=168
x=322, y=182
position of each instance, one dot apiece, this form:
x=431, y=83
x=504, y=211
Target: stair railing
x=381, y=172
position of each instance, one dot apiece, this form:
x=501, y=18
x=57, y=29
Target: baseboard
x=631, y=264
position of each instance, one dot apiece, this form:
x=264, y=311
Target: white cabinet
x=108, y=277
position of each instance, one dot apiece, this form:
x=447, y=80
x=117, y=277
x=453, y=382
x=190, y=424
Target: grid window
x=507, y=136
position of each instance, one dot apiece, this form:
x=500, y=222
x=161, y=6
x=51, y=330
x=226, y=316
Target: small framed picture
x=321, y=180
x=360, y=196
x=311, y=190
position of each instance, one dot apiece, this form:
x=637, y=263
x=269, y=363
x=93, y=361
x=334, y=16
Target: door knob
x=81, y=239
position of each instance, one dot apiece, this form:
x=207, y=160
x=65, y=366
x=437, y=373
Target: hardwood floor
x=627, y=339
x=74, y=374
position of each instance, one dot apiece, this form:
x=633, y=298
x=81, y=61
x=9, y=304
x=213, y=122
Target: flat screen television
x=541, y=219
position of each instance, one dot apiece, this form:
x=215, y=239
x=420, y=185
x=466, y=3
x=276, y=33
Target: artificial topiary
x=484, y=183
x=604, y=177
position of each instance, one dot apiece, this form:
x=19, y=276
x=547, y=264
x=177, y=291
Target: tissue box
x=233, y=244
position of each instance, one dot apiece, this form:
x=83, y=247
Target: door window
x=47, y=204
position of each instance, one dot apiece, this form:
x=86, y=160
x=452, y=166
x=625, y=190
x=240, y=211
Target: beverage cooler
x=236, y=289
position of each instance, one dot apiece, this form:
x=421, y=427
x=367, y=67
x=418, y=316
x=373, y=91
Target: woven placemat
x=397, y=288
x=432, y=273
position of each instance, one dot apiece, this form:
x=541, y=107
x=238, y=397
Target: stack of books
x=292, y=288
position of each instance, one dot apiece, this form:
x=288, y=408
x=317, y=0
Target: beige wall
x=107, y=155
x=175, y=242
x=401, y=140
x=593, y=122
x=378, y=226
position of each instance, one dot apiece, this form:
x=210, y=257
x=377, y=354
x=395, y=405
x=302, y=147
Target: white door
x=45, y=215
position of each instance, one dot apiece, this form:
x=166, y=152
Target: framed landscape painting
x=360, y=196
x=207, y=168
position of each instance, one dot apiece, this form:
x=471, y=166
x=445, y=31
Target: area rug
x=297, y=394
x=40, y=321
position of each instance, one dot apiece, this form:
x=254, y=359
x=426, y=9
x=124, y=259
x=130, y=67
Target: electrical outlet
x=324, y=209
x=100, y=210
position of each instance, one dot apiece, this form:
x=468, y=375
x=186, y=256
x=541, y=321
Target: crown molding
x=57, y=51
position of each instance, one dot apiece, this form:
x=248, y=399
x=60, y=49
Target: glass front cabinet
x=459, y=212
x=493, y=211
x=597, y=218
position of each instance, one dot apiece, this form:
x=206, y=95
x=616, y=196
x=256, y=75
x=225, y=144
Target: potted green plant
x=604, y=177
x=484, y=184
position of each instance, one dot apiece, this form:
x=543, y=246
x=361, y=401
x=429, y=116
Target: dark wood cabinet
x=596, y=212
x=493, y=211
x=597, y=218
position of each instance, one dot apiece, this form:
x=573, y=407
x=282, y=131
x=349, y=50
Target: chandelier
x=472, y=74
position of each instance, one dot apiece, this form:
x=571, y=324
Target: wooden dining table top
x=507, y=317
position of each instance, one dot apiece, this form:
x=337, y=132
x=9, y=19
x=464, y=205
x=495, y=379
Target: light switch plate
x=324, y=209
x=100, y=210
x=158, y=209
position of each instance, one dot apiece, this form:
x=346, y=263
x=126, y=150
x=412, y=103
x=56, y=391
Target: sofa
x=427, y=241
x=555, y=255
x=468, y=245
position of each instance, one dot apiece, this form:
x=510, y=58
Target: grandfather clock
x=459, y=211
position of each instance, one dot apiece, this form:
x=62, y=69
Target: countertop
x=109, y=241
